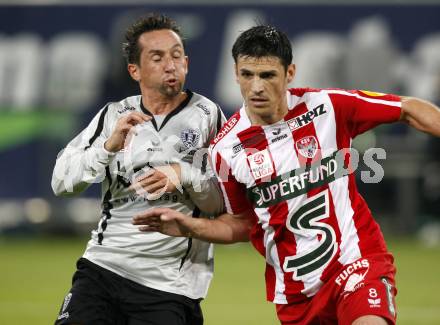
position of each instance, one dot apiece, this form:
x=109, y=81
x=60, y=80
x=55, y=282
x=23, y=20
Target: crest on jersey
x=261, y=164
x=307, y=146
x=190, y=138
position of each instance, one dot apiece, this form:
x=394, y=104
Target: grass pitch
x=35, y=274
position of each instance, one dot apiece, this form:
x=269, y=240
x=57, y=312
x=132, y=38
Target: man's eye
x=177, y=55
x=156, y=58
x=268, y=75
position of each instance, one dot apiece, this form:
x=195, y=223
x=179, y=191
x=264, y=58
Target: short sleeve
x=234, y=192
x=363, y=110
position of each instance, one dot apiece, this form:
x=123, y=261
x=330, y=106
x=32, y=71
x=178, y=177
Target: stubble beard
x=171, y=91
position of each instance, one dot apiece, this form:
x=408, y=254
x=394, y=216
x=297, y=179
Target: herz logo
x=306, y=118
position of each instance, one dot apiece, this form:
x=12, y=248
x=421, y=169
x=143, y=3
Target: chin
x=262, y=110
x=171, y=91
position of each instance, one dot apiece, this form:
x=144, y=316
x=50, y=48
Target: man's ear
x=133, y=70
x=291, y=70
x=186, y=64
x=236, y=72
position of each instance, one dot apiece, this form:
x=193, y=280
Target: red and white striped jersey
x=296, y=177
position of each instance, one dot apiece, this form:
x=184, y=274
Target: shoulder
x=336, y=95
x=204, y=105
x=123, y=107
x=127, y=105
x=300, y=92
x=346, y=97
x=112, y=111
x=307, y=93
x=227, y=133
x=303, y=92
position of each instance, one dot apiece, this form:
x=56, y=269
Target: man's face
x=163, y=65
x=263, y=83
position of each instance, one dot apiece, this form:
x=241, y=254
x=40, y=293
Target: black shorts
x=101, y=297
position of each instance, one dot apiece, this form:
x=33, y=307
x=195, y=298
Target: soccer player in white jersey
x=147, y=151
x=285, y=151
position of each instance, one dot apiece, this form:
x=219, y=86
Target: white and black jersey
x=177, y=265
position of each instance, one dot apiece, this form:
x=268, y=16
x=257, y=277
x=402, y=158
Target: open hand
x=165, y=221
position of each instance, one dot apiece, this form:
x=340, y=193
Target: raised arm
x=421, y=114
x=85, y=158
x=226, y=229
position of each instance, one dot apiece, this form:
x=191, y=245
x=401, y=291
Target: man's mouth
x=258, y=101
x=171, y=81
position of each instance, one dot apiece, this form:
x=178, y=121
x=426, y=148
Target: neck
x=159, y=104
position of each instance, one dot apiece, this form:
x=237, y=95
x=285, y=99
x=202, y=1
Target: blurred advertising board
x=60, y=64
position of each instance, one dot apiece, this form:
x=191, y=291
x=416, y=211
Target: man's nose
x=257, y=86
x=169, y=64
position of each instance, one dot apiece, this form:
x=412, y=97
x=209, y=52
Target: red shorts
x=364, y=287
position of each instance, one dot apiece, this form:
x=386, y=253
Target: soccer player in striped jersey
x=144, y=150
x=283, y=162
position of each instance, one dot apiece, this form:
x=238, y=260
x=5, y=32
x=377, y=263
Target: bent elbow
x=59, y=190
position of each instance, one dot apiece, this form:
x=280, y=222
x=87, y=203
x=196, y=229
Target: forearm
x=84, y=159
x=421, y=114
x=209, y=199
x=76, y=169
x=223, y=230
x=203, y=189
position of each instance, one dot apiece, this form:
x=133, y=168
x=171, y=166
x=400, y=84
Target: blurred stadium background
x=60, y=61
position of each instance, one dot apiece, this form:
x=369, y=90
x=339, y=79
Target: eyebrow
x=259, y=73
x=269, y=72
x=156, y=51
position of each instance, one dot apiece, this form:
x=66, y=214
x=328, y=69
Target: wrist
x=195, y=228
x=108, y=147
x=102, y=155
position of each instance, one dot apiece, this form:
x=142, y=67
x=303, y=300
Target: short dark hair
x=147, y=23
x=263, y=40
